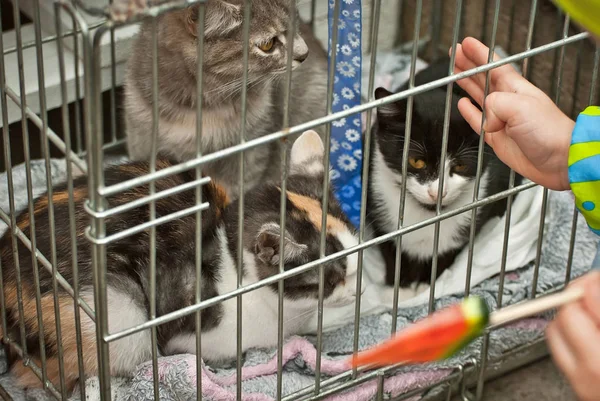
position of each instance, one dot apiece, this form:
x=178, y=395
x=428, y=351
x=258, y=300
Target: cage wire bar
x=482, y=133
x=407, y=133
x=46, y=153
x=32, y=234
x=198, y=193
x=446, y=130
x=486, y=338
x=283, y=198
x=152, y=205
x=69, y=168
x=97, y=203
x=87, y=152
x=325, y=199
x=376, y=12
x=480, y=383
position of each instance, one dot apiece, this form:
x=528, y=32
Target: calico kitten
x=128, y=268
x=222, y=85
x=423, y=179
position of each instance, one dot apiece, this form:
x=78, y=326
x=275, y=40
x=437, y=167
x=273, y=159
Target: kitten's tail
x=24, y=374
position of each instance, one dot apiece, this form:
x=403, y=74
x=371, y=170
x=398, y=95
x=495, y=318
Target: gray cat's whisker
x=234, y=88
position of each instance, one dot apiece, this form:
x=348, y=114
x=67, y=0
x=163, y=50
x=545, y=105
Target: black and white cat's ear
x=380, y=93
x=221, y=17
x=394, y=109
x=268, y=242
x=307, y=154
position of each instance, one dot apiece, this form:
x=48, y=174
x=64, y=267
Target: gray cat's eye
x=267, y=46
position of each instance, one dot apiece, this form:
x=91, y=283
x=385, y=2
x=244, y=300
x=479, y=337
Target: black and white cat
x=422, y=179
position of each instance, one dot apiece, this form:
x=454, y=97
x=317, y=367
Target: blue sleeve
x=584, y=166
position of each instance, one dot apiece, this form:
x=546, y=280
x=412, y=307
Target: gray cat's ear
x=395, y=109
x=221, y=17
x=267, y=247
x=307, y=154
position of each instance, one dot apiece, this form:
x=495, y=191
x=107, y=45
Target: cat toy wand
x=447, y=331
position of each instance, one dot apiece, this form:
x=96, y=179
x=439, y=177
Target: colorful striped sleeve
x=584, y=166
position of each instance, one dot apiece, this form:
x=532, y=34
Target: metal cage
x=74, y=50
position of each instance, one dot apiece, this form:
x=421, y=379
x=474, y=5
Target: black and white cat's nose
x=433, y=193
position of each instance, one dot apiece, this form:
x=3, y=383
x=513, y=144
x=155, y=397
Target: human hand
x=574, y=340
x=527, y=131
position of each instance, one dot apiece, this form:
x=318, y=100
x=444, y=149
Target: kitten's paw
x=404, y=294
x=419, y=288
x=387, y=295
x=122, y=10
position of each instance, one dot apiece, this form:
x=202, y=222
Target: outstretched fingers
x=477, y=53
x=470, y=113
x=472, y=54
x=463, y=63
x=493, y=121
x=471, y=86
x=495, y=135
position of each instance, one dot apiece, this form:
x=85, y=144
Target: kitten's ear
x=307, y=154
x=221, y=17
x=267, y=246
x=395, y=109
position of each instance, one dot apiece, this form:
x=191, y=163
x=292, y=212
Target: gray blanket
x=177, y=373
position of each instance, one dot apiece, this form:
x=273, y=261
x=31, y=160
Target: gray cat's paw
x=122, y=10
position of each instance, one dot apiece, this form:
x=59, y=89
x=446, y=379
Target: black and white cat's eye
x=460, y=168
x=417, y=163
x=267, y=46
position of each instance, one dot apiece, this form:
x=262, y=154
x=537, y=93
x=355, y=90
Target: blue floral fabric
x=346, y=133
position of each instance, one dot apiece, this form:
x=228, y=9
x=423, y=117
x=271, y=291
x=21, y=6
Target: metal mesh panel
x=75, y=113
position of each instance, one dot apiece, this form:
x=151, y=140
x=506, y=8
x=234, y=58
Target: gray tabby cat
x=221, y=102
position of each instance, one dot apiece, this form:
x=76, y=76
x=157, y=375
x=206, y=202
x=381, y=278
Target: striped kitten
x=128, y=268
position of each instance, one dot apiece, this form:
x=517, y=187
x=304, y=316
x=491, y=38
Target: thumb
x=591, y=300
x=500, y=107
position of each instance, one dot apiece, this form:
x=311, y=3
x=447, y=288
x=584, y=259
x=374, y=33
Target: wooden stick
x=535, y=306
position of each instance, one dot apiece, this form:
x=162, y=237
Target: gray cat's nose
x=301, y=57
x=300, y=49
